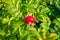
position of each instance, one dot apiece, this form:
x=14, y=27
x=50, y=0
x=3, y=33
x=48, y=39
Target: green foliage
x=45, y=12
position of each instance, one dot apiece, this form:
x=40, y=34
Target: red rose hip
x=29, y=19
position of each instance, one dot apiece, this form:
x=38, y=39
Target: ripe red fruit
x=29, y=19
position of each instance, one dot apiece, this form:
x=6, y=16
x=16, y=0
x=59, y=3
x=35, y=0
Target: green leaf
x=53, y=36
x=5, y=20
x=2, y=33
x=28, y=37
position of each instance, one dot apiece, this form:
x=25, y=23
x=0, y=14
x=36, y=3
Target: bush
x=46, y=14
